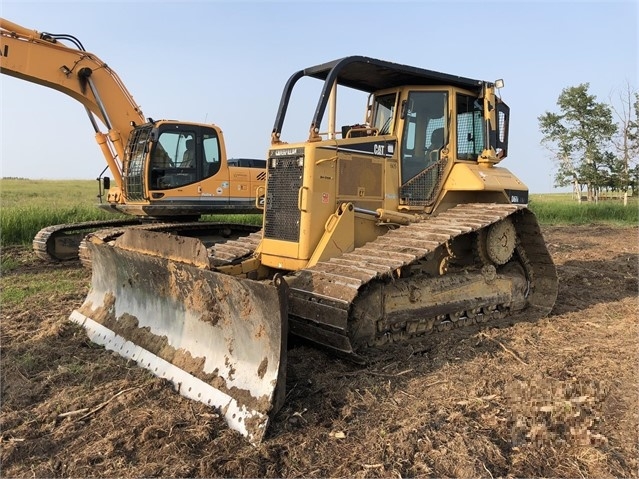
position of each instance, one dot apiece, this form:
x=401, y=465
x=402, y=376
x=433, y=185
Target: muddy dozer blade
x=220, y=340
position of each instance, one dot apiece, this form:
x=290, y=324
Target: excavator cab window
x=470, y=127
x=174, y=160
x=183, y=156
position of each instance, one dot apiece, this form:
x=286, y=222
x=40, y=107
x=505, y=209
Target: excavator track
x=345, y=303
x=215, y=235
x=62, y=242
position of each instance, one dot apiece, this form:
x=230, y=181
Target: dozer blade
x=220, y=340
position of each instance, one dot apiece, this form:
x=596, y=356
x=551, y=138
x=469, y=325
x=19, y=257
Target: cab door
x=424, y=136
x=215, y=182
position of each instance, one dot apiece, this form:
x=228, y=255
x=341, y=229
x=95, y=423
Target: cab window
x=211, y=154
x=423, y=137
x=174, y=160
x=384, y=108
x=470, y=128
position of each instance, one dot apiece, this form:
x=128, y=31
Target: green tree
x=633, y=127
x=578, y=136
x=626, y=141
x=614, y=174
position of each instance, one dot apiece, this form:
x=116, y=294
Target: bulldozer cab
x=434, y=117
x=418, y=125
x=439, y=127
x=424, y=115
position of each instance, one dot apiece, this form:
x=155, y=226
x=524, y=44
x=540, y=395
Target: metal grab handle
x=302, y=199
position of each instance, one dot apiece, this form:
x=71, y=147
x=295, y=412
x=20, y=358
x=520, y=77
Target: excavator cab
x=169, y=155
x=180, y=169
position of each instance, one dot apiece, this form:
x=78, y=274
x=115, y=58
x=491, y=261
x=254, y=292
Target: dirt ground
x=556, y=397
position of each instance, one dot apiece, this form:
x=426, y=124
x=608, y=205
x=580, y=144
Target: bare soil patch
x=555, y=397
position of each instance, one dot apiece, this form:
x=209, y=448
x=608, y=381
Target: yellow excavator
x=163, y=170
x=387, y=230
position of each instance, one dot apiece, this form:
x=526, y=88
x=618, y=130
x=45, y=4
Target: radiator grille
x=423, y=187
x=282, y=217
x=133, y=170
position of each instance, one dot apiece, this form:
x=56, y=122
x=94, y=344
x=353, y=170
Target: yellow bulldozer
x=387, y=230
x=165, y=171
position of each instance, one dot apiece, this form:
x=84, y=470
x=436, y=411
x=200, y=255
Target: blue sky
x=227, y=62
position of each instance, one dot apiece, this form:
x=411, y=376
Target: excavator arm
x=41, y=58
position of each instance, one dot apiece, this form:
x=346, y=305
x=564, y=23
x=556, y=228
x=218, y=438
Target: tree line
x=595, y=144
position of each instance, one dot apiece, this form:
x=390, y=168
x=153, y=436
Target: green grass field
x=560, y=208
x=26, y=206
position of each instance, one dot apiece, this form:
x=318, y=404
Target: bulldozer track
x=234, y=250
x=322, y=297
x=329, y=289
x=351, y=304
